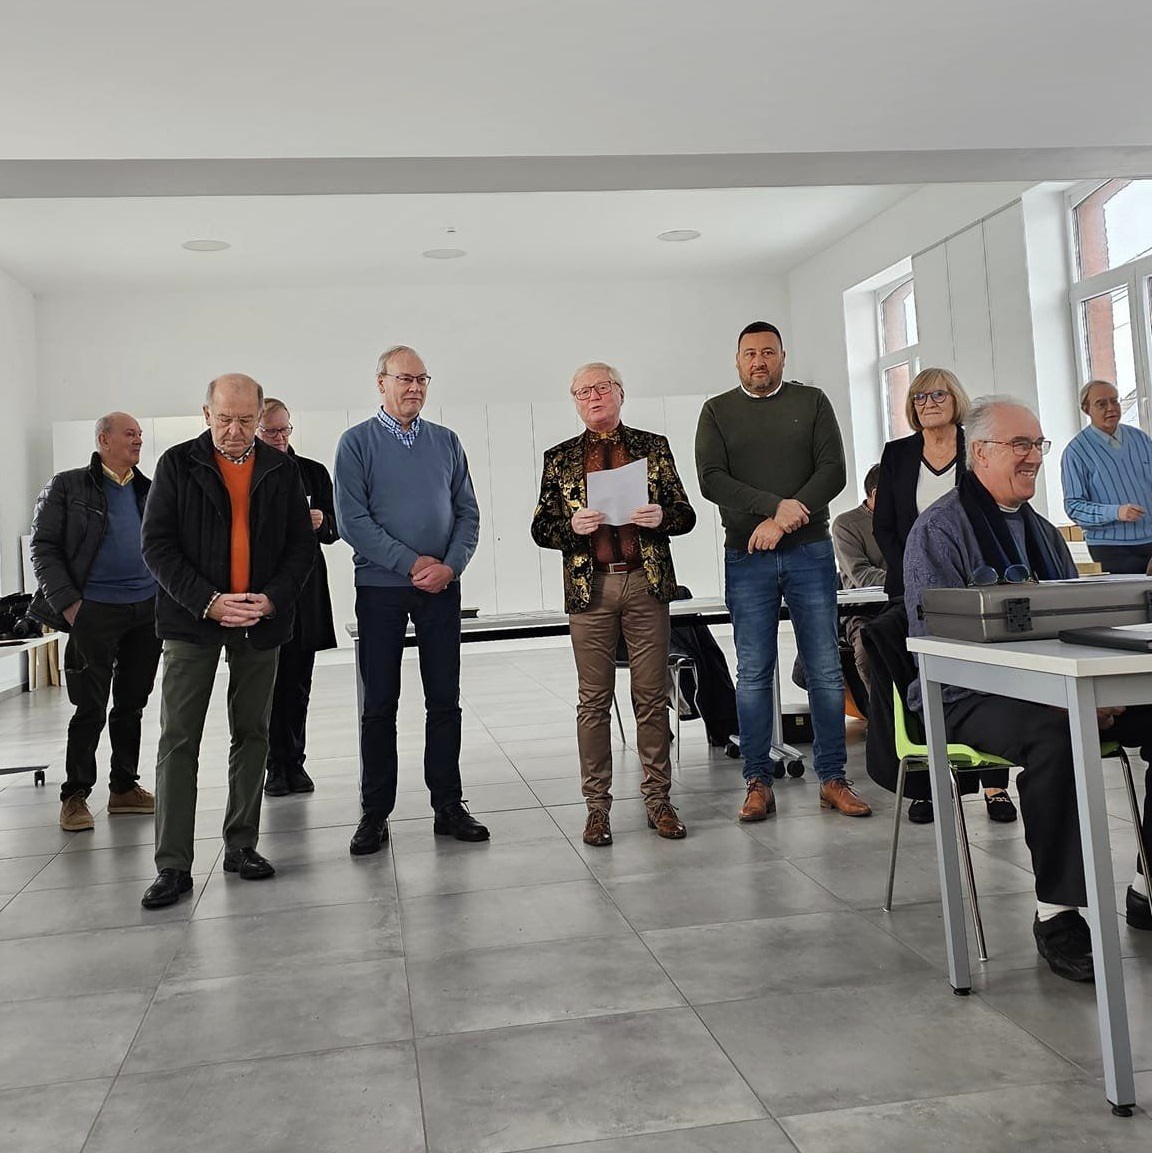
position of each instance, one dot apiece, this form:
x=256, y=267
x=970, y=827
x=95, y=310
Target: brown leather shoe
x=598, y=828
x=838, y=794
x=662, y=817
x=759, y=803
x=75, y=816
x=135, y=800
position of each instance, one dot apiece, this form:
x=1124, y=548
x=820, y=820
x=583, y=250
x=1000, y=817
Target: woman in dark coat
x=314, y=628
x=915, y=471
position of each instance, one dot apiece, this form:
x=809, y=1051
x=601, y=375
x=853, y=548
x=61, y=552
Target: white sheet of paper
x=619, y=492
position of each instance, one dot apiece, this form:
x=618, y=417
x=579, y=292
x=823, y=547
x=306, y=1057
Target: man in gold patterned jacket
x=617, y=579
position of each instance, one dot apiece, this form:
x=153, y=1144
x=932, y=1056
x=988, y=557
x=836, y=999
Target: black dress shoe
x=1137, y=910
x=167, y=889
x=300, y=782
x=454, y=820
x=248, y=863
x=1000, y=808
x=1065, y=942
x=370, y=834
x=921, y=813
x=276, y=785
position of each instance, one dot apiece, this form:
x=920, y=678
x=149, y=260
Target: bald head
x=232, y=410
x=118, y=441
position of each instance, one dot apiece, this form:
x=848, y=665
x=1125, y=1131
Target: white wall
x=501, y=358
x=818, y=352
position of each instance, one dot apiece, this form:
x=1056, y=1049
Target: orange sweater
x=238, y=481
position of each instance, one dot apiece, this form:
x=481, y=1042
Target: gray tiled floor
x=737, y=991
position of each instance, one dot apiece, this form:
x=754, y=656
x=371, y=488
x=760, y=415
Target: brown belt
x=618, y=566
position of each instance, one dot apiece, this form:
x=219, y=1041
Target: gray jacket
x=857, y=553
x=942, y=552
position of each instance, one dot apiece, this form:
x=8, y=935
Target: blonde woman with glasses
x=915, y=471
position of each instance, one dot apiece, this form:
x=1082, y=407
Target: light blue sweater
x=1100, y=475
x=395, y=503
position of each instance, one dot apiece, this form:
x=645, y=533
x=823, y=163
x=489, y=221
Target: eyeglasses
x=936, y=396
x=985, y=575
x=406, y=378
x=1105, y=404
x=600, y=388
x=274, y=432
x=1022, y=446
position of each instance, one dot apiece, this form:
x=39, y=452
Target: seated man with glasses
x=1106, y=472
x=984, y=531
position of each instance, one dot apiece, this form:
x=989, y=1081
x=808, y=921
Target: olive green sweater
x=753, y=453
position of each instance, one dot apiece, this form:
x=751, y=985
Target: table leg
x=1111, y=1003
x=359, y=712
x=947, y=846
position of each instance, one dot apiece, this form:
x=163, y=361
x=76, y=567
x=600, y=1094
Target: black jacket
x=68, y=525
x=895, y=511
x=187, y=541
x=314, y=624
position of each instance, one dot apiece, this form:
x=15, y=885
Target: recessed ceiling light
x=678, y=235
x=445, y=253
x=205, y=245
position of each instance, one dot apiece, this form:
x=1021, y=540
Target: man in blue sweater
x=1106, y=471
x=404, y=502
x=94, y=585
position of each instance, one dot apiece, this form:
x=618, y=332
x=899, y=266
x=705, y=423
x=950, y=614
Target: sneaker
x=597, y=829
x=759, y=803
x=1000, y=808
x=454, y=820
x=1065, y=942
x=921, y=813
x=75, y=816
x=135, y=800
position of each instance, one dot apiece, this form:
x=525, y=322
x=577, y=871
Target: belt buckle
x=618, y=567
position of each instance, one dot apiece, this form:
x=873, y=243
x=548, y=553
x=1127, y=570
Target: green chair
x=963, y=758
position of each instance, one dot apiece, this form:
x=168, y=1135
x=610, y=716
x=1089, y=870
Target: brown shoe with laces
x=662, y=817
x=135, y=800
x=838, y=794
x=759, y=803
x=598, y=828
x=75, y=816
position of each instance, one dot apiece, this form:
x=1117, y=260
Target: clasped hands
x=790, y=515
x=430, y=574
x=240, y=610
x=586, y=521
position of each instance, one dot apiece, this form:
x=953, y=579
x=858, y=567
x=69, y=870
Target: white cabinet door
x=971, y=323
x=513, y=478
x=696, y=555
x=470, y=423
x=170, y=430
x=553, y=421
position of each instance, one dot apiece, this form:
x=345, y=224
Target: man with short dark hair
x=769, y=453
x=1106, y=471
x=404, y=502
x=986, y=522
x=228, y=538
x=94, y=585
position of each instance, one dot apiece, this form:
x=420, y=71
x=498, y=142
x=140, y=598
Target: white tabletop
x=1038, y=656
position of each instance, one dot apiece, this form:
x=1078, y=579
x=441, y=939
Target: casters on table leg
x=778, y=769
x=966, y=992
x=795, y=767
x=732, y=749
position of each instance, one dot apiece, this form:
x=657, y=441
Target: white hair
x=388, y=354
x=599, y=365
x=980, y=423
x=1087, y=389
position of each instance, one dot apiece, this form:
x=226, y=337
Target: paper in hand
x=619, y=492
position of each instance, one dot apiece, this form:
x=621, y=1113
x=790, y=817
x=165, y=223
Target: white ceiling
x=60, y=245
x=532, y=78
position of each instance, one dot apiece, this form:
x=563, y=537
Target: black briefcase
x=1036, y=611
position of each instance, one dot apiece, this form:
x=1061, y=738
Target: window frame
x=909, y=354
x=1135, y=276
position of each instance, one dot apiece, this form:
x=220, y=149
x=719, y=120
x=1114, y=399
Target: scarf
x=994, y=538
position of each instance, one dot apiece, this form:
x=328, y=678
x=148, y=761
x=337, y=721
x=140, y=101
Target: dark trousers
x=382, y=616
x=288, y=724
x=112, y=649
x=1037, y=738
x=1129, y=559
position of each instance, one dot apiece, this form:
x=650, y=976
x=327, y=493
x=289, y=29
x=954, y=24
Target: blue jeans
x=804, y=576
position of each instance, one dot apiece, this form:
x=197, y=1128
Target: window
x=899, y=352
x=1112, y=243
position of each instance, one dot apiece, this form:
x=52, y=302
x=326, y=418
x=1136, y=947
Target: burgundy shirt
x=611, y=544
